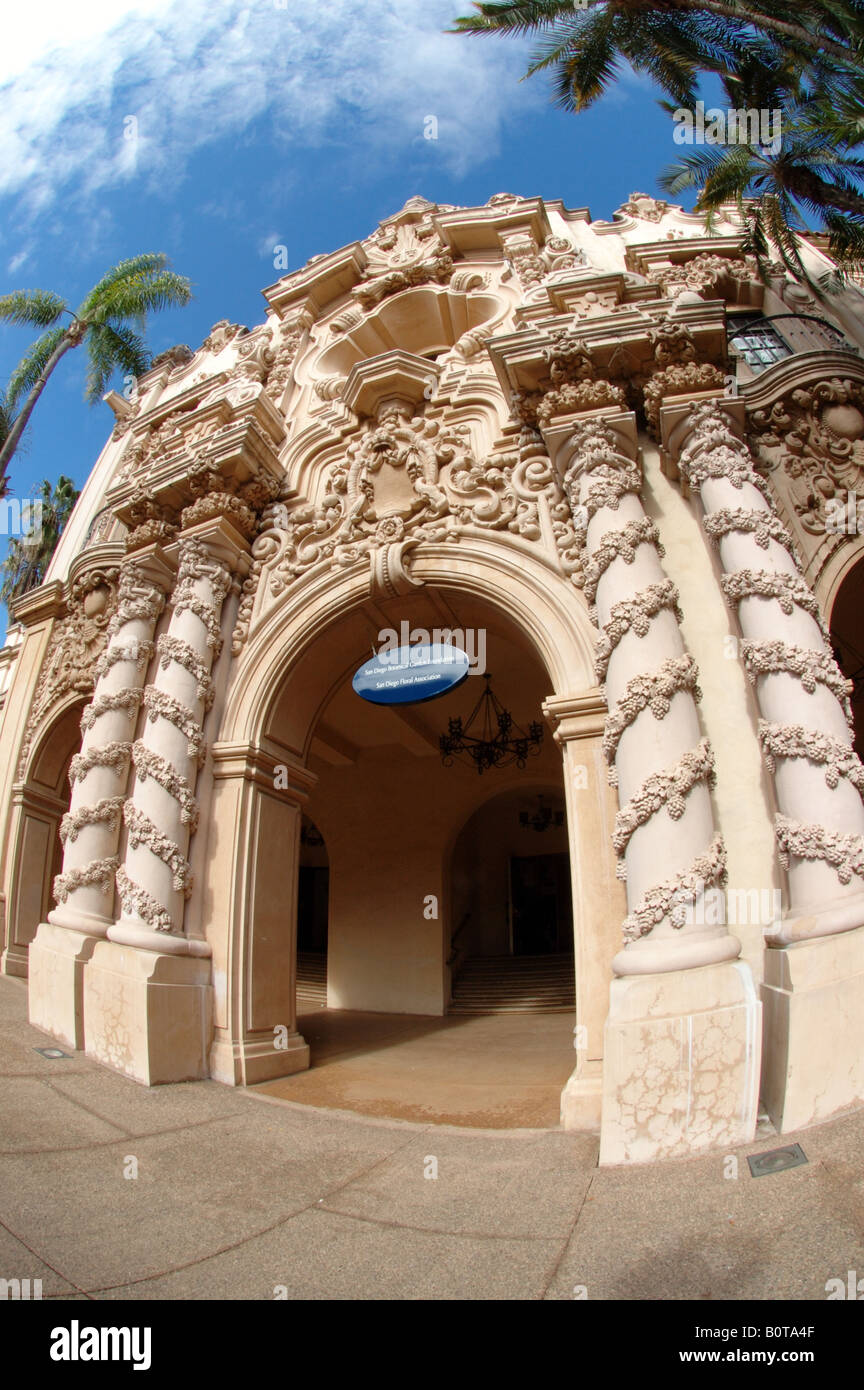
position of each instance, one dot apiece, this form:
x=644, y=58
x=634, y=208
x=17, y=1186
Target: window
x=758, y=343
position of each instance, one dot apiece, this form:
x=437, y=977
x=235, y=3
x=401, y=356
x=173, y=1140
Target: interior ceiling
x=348, y=725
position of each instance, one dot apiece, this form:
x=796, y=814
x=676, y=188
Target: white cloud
x=358, y=75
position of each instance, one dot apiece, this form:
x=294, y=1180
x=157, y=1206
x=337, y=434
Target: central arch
x=293, y=744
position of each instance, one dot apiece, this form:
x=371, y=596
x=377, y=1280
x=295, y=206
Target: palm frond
x=38, y=307
x=111, y=348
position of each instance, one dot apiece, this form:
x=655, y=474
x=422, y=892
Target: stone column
x=684, y=1012
x=814, y=1063
x=149, y=969
x=91, y=829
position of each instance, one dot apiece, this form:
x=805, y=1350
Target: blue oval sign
x=408, y=675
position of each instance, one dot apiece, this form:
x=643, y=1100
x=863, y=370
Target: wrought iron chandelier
x=489, y=737
x=541, y=819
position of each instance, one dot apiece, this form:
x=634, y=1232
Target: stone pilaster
x=684, y=1011
x=813, y=1025
x=598, y=897
x=90, y=831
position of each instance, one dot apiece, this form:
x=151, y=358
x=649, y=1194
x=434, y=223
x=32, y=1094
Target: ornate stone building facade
x=633, y=466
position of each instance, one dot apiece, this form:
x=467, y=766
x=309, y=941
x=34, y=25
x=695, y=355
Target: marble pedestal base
x=814, y=1029
x=57, y=962
x=251, y=1060
x=681, y=1064
x=148, y=1015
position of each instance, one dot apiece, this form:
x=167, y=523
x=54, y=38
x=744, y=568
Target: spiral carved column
x=148, y=967
x=657, y=758
x=801, y=693
x=155, y=880
x=683, y=1021
x=91, y=829
x=814, y=967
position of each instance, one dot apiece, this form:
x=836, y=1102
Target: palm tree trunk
x=20, y=423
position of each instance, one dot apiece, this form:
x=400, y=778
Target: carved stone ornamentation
x=810, y=445
x=77, y=643
x=702, y=274
x=644, y=207
x=389, y=487
x=575, y=385
x=401, y=254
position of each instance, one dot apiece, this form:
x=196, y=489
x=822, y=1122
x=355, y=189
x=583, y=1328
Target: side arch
x=40, y=799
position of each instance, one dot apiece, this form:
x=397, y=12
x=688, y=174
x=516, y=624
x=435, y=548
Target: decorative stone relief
x=575, y=384
x=644, y=207
x=703, y=274
x=844, y=852
x=663, y=790
x=673, y=897
x=77, y=642
x=99, y=873
x=400, y=255
x=795, y=741
x=655, y=691
x=810, y=445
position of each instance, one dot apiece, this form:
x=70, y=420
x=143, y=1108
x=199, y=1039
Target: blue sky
x=278, y=122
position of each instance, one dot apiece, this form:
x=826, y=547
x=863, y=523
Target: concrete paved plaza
x=239, y=1195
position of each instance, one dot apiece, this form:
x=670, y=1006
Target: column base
x=56, y=982
x=581, y=1099
x=148, y=1016
x=15, y=961
x=847, y=914
x=814, y=1029
x=252, y=1060
x=144, y=938
x=681, y=1064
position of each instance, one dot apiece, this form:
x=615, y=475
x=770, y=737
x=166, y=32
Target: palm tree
x=27, y=558
x=814, y=171
x=106, y=322
x=588, y=42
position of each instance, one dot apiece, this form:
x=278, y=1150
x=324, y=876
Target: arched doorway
x=39, y=802
x=296, y=741
x=512, y=943
x=847, y=639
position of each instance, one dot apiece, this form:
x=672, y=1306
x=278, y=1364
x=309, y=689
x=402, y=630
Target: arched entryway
x=297, y=742
x=847, y=639
x=39, y=802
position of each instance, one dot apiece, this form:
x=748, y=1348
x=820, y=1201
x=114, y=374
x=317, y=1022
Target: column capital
x=263, y=765
x=223, y=542
x=676, y=424
x=154, y=564
x=576, y=716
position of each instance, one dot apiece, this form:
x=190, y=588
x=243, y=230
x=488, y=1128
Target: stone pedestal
x=814, y=1029
x=681, y=1064
x=148, y=1015
x=58, y=957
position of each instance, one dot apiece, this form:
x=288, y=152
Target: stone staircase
x=311, y=980
x=514, y=984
